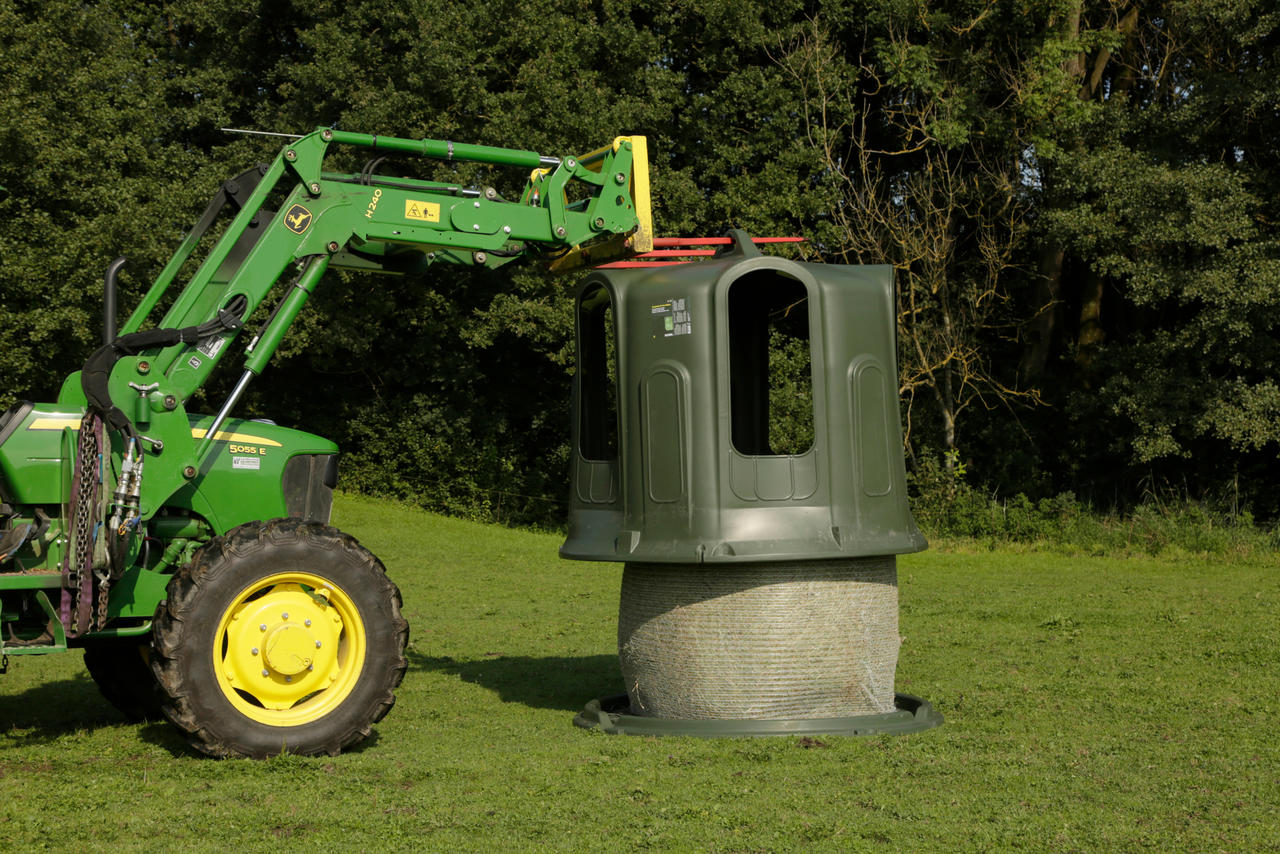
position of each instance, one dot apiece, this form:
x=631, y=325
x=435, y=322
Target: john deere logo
x=297, y=219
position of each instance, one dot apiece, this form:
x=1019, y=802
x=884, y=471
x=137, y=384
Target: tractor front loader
x=189, y=555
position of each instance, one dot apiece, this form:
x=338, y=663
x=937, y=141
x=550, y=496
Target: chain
x=104, y=586
x=85, y=489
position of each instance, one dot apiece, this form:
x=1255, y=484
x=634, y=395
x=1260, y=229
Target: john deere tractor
x=189, y=554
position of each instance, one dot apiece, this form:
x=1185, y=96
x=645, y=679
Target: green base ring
x=610, y=715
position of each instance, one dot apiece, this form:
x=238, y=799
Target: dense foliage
x=1081, y=199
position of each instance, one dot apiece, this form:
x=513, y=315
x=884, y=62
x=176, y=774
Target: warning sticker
x=422, y=211
x=246, y=463
x=211, y=347
x=671, y=318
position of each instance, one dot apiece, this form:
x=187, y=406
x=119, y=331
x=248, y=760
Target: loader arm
x=293, y=216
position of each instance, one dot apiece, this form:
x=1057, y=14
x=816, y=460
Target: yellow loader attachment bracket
x=635, y=180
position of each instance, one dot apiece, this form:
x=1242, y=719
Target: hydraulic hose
x=97, y=368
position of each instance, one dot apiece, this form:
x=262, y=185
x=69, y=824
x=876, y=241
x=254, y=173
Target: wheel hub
x=283, y=646
x=289, y=649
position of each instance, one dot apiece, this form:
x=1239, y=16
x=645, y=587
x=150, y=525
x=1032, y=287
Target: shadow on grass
x=560, y=683
x=52, y=710
x=56, y=709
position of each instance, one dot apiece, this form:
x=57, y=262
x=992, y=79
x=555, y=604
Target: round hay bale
x=762, y=641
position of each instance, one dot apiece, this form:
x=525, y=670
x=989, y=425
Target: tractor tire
x=279, y=637
x=122, y=669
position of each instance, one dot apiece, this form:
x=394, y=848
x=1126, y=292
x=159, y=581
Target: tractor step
x=52, y=637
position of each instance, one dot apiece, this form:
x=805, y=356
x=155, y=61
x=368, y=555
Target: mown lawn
x=1092, y=704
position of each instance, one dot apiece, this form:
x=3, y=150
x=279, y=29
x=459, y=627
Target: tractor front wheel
x=281, y=636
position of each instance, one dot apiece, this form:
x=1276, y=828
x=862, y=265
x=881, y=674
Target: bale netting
x=766, y=641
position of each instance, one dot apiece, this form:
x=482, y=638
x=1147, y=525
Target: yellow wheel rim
x=289, y=649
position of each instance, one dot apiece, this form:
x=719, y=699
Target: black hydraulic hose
x=96, y=373
x=366, y=174
x=375, y=181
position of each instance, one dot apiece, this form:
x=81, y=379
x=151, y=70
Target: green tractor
x=189, y=555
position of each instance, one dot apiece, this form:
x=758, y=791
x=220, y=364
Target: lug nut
x=253, y=651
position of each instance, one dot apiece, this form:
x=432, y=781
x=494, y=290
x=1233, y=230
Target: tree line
x=1080, y=199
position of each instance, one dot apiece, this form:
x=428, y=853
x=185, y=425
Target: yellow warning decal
x=421, y=211
x=224, y=436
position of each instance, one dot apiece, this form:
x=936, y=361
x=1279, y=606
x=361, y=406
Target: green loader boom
x=189, y=554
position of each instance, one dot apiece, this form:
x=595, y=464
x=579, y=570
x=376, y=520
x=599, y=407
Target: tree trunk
x=1090, y=333
x=1037, y=332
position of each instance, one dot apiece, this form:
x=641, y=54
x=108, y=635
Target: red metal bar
x=718, y=241
x=674, y=252
x=693, y=241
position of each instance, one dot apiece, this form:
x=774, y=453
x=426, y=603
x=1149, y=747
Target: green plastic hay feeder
x=737, y=445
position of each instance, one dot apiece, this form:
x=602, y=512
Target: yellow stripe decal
x=224, y=436
x=59, y=422
x=56, y=422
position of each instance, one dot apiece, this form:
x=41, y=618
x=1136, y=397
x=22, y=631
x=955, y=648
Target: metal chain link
x=87, y=487
x=104, y=586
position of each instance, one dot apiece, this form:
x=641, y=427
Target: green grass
x=1092, y=704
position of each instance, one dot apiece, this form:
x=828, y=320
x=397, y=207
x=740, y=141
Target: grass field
x=1092, y=704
